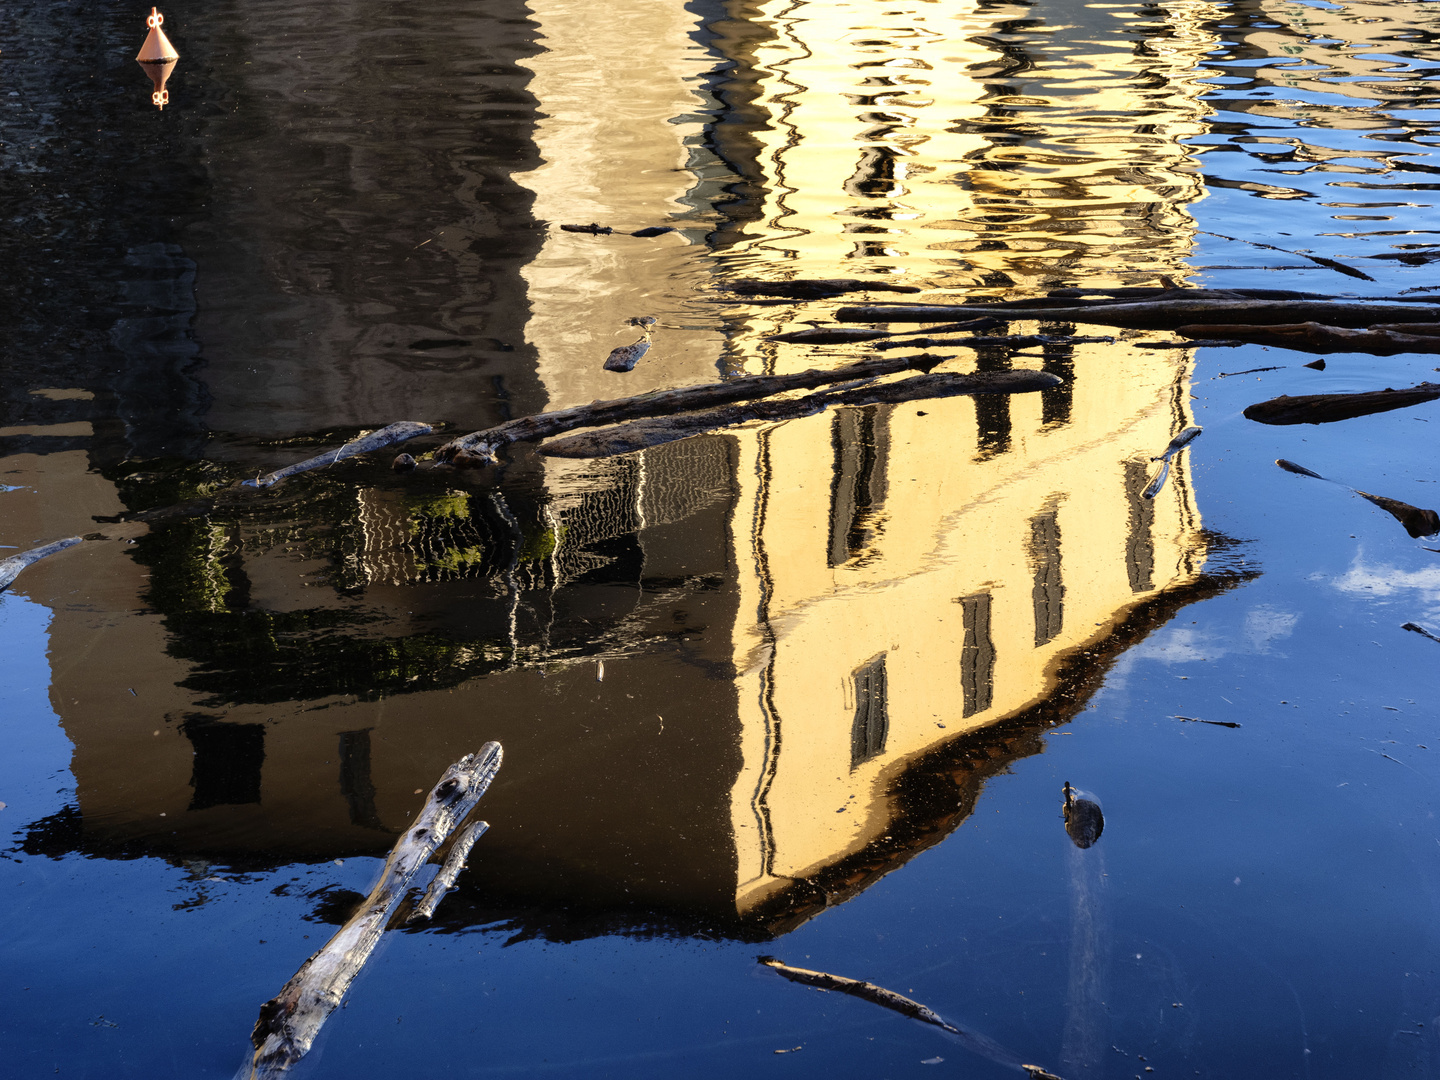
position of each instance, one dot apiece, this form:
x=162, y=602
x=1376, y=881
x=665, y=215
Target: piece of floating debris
x=1329, y=408
x=655, y=431
x=1313, y=336
x=1417, y=628
x=1248, y=371
x=1178, y=443
x=290, y=1021
x=594, y=229
x=10, y=568
x=878, y=995
x=627, y=356
x=1186, y=313
x=814, y=288
x=1006, y=341
x=403, y=463
x=1318, y=260
x=1084, y=820
x=1197, y=720
x=1417, y=521
x=829, y=335
x=399, y=432
x=449, y=871
x=1202, y=343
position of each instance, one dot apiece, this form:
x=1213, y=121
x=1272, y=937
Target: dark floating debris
x=1084, y=821
x=1417, y=521
x=814, y=288
x=401, y=431
x=290, y=1021
x=594, y=229
x=1417, y=628
x=830, y=335
x=1247, y=371
x=1197, y=720
x=1382, y=339
x=655, y=230
x=1202, y=343
x=1012, y=341
x=403, y=463
x=1318, y=365
x=1178, y=443
x=426, y=344
x=627, y=356
x=1330, y=408
x=10, y=568
x=1318, y=260
x=889, y=999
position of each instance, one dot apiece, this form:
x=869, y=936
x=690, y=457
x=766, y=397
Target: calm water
x=808, y=690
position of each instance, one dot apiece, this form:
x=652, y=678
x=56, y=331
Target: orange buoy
x=157, y=57
x=157, y=48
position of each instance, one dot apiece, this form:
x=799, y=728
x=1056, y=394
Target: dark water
x=809, y=689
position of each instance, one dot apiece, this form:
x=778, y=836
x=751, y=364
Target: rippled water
x=807, y=689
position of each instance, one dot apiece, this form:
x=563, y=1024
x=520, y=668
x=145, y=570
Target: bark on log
x=10, y=568
x=640, y=434
x=1013, y=341
x=454, y=863
x=290, y=1021
x=1165, y=314
x=889, y=999
x=399, y=432
x=627, y=356
x=667, y=402
x=1329, y=408
x=1317, y=337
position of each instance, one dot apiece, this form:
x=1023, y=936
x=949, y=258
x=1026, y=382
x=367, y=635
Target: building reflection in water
x=820, y=637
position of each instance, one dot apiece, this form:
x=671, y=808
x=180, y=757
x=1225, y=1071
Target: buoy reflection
x=157, y=56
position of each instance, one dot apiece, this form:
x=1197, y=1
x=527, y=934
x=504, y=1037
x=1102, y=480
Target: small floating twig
x=1197, y=720
x=1247, y=371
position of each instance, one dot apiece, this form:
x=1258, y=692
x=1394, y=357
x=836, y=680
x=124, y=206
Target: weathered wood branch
x=1418, y=522
x=668, y=402
x=1217, y=315
x=889, y=999
x=10, y=568
x=1178, y=443
x=1012, y=341
x=290, y=1021
x=449, y=871
x=640, y=434
x=1329, y=408
x=401, y=431
x=813, y=288
x=1319, y=337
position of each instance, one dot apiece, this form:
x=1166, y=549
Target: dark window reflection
x=1139, y=545
x=977, y=655
x=861, y=438
x=872, y=717
x=228, y=758
x=355, y=783
x=1056, y=403
x=1049, y=591
x=992, y=411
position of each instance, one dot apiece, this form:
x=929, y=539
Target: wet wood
x=290, y=1021
x=1418, y=522
x=627, y=356
x=814, y=288
x=1318, y=260
x=655, y=431
x=1156, y=292
x=10, y=568
x=1006, y=341
x=449, y=871
x=1323, y=337
x=486, y=443
x=829, y=335
x=1178, y=443
x=889, y=999
x=1330, y=408
x=1418, y=629
x=594, y=229
x=401, y=431
x=1084, y=820
x=1217, y=316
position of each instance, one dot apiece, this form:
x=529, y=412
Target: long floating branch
x=454, y=863
x=10, y=568
x=485, y=443
x=640, y=434
x=878, y=995
x=1165, y=314
x=290, y=1021
x=401, y=431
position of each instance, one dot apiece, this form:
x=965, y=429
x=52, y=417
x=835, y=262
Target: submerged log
x=1169, y=313
x=290, y=1021
x=1418, y=522
x=1012, y=341
x=889, y=999
x=641, y=434
x=813, y=288
x=1319, y=337
x=401, y=431
x=1329, y=408
x=10, y=568
x=667, y=402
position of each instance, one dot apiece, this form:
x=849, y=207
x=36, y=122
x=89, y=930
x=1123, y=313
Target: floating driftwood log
x=1329, y=408
x=605, y=230
x=1012, y=341
x=401, y=431
x=1418, y=522
x=10, y=568
x=486, y=443
x=1084, y=820
x=889, y=999
x=813, y=288
x=290, y=1021
x=1319, y=337
x=1168, y=313
x=640, y=434
x=1178, y=443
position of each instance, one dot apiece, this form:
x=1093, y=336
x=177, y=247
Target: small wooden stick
x=401, y=431
x=454, y=863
